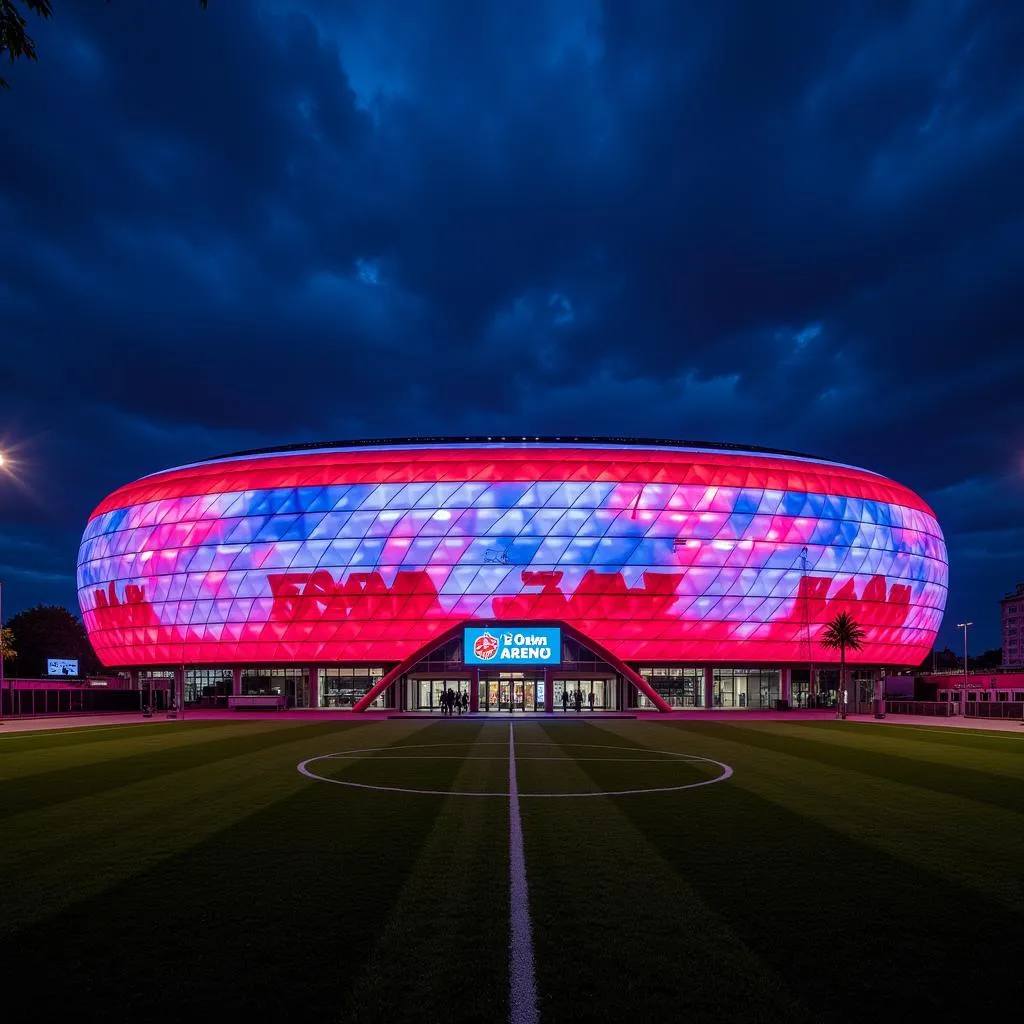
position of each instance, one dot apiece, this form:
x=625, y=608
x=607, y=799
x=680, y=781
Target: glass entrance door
x=517, y=695
x=511, y=692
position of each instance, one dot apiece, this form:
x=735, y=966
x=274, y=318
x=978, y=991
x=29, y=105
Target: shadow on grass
x=274, y=916
x=47, y=789
x=941, y=735
x=92, y=734
x=854, y=932
x=618, y=935
x=952, y=780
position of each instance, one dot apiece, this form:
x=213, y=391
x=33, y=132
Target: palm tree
x=14, y=40
x=842, y=633
x=7, y=651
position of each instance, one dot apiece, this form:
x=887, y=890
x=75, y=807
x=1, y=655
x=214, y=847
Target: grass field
x=845, y=871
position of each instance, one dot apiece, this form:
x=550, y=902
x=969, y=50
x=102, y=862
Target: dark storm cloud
x=796, y=225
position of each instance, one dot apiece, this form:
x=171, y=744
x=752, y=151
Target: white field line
x=564, y=758
x=522, y=982
x=305, y=769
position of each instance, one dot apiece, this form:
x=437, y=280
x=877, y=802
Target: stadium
x=648, y=575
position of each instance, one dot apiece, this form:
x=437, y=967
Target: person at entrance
x=465, y=702
x=565, y=700
x=590, y=699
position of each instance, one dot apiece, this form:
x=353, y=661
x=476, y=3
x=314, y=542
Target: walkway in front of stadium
x=17, y=724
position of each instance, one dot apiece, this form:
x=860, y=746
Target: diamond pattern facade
x=663, y=554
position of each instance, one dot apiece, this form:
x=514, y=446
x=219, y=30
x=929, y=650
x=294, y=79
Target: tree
x=50, y=631
x=14, y=40
x=7, y=649
x=842, y=633
x=947, y=659
x=992, y=658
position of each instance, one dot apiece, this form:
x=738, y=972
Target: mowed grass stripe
x=956, y=779
x=1001, y=758
x=442, y=955
x=86, y=735
x=944, y=835
x=77, y=780
x=833, y=913
x=277, y=909
x=944, y=735
x=168, y=896
x=67, y=852
x=619, y=933
x=115, y=743
x=951, y=735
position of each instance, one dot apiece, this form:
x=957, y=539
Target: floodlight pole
x=4, y=465
x=963, y=696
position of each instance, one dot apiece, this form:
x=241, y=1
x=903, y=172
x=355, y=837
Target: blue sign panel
x=512, y=645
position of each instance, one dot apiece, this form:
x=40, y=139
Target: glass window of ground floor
x=207, y=685
x=819, y=695
x=427, y=693
x=681, y=686
x=335, y=686
x=860, y=686
x=678, y=686
x=588, y=694
x=745, y=687
x=800, y=688
x=289, y=681
x=157, y=687
x=684, y=687
x=341, y=687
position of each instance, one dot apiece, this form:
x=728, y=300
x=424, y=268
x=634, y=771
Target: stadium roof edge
x=540, y=439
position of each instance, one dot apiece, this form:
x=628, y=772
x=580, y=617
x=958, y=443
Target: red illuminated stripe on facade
x=459, y=465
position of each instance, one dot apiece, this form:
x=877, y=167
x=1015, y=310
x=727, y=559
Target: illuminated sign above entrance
x=515, y=645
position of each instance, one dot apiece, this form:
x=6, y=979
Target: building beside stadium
x=375, y=574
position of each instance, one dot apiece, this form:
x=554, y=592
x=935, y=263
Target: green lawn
x=845, y=871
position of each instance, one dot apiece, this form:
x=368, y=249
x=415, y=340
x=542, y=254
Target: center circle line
x=678, y=759
x=668, y=755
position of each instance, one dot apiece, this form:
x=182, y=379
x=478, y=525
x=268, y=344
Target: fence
x=65, y=701
x=929, y=708
x=995, y=709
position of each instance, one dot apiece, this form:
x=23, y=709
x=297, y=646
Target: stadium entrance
x=511, y=691
x=506, y=668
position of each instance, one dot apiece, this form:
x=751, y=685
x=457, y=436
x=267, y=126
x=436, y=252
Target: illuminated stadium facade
x=649, y=574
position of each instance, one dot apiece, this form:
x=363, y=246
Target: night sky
x=798, y=225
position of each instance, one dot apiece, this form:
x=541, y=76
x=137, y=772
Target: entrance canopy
x=505, y=646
